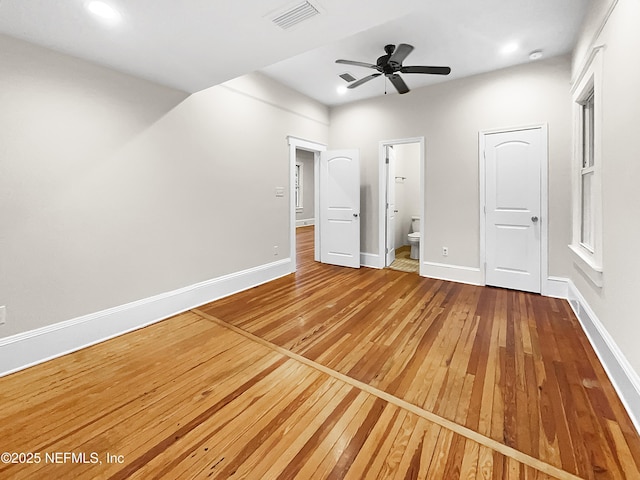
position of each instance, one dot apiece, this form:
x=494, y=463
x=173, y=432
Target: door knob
x=534, y=219
x=355, y=214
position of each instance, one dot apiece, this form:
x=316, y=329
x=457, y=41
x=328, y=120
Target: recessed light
x=535, y=55
x=103, y=10
x=341, y=90
x=509, y=48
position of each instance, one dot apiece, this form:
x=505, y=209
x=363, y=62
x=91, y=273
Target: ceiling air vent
x=295, y=15
x=347, y=77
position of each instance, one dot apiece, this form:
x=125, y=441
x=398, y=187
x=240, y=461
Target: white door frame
x=544, y=202
x=382, y=196
x=314, y=147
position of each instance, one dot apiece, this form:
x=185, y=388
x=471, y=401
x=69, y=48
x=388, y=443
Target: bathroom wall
x=407, y=189
x=305, y=215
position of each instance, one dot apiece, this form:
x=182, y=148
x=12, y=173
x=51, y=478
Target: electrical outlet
x=445, y=251
x=3, y=315
x=275, y=250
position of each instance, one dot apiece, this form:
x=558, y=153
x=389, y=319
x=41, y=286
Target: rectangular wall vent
x=295, y=15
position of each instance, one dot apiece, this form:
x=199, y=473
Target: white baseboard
x=371, y=260
x=622, y=375
x=303, y=222
x=452, y=273
x=23, y=350
x=556, y=287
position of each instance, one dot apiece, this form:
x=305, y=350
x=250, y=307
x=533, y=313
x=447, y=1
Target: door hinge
x=386, y=160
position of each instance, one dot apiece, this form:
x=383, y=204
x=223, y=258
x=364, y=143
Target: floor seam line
x=400, y=403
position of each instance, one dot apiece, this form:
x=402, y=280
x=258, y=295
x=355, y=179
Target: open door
x=391, y=205
x=340, y=208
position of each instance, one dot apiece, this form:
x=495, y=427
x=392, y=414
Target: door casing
x=544, y=201
x=382, y=197
x=390, y=207
x=314, y=147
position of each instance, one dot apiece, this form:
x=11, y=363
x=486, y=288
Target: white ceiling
x=466, y=35
x=194, y=44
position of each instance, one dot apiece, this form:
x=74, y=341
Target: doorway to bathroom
x=401, y=193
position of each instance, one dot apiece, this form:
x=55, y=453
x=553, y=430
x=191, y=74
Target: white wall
x=114, y=189
x=449, y=116
x=591, y=26
x=407, y=190
x=615, y=303
x=307, y=213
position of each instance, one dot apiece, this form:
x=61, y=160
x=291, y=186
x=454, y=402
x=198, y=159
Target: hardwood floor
x=330, y=373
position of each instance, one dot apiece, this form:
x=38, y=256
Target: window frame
x=586, y=243
x=587, y=170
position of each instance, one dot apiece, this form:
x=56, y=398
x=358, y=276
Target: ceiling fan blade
x=400, y=53
x=357, y=83
x=357, y=64
x=398, y=83
x=429, y=70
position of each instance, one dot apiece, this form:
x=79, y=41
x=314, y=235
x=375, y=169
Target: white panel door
x=391, y=205
x=513, y=163
x=340, y=208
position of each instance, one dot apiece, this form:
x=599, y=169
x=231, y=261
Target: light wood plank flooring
x=330, y=373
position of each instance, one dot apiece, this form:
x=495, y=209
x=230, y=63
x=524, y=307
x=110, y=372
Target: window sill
x=585, y=263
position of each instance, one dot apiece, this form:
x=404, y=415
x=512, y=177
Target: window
x=298, y=186
x=587, y=202
x=587, y=172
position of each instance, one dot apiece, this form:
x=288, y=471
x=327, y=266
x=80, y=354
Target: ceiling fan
x=390, y=65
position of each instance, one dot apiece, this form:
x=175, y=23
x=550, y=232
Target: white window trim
x=589, y=260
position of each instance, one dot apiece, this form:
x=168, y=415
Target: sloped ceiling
x=195, y=44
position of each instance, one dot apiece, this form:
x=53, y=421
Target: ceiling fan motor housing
x=383, y=64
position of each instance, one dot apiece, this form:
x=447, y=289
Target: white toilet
x=414, y=238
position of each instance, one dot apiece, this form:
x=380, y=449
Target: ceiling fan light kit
x=390, y=65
